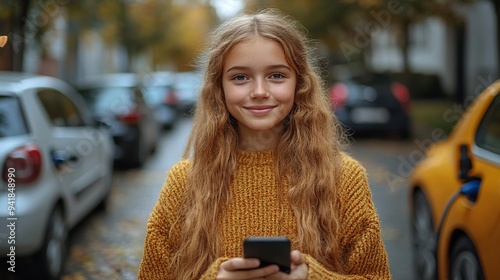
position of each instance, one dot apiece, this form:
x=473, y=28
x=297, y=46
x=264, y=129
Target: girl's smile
x=260, y=110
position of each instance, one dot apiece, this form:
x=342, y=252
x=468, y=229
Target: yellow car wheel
x=464, y=262
x=424, y=239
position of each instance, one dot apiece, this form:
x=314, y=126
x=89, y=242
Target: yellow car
x=455, y=197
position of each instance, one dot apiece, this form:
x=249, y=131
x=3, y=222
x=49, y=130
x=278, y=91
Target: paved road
x=385, y=162
x=108, y=245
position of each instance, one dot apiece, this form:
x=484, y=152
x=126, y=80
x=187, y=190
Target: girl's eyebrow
x=270, y=67
x=237, y=68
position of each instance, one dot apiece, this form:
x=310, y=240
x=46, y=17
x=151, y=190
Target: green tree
x=322, y=19
x=80, y=16
x=169, y=31
x=27, y=21
x=403, y=14
x=190, y=22
x=350, y=24
x=13, y=22
x=135, y=25
x=163, y=29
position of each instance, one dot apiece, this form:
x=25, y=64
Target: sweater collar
x=259, y=157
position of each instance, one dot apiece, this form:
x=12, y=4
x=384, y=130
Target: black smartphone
x=269, y=250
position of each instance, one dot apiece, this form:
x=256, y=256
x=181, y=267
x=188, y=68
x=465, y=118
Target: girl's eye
x=239, y=78
x=277, y=76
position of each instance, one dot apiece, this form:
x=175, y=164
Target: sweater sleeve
x=213, y=269
x=159, y=234
x=361, y=245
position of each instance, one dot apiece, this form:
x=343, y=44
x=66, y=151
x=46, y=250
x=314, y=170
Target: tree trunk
x=460, y=68
x=18, y=34
x=125, y=35
x=6, y=53
x=405, y=45
x=70, y=64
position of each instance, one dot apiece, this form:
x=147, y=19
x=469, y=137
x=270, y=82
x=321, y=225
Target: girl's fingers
x=297, y=258
x=239, y=263
x=240, y=268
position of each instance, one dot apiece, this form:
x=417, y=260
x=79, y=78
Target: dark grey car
x=117, y=100
x=372, y=103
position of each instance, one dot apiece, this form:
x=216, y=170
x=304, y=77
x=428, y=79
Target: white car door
x=80, y=152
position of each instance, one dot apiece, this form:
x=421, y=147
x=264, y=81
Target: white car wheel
x=54, y=248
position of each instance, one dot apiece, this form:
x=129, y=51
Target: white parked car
x=57, y=166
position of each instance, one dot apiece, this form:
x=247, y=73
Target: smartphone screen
x=269, y=250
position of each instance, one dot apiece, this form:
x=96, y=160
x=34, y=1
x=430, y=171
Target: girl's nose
x=260, y=89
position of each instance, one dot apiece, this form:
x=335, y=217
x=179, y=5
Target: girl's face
x=259, y=86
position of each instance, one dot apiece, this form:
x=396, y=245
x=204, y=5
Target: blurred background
x=431, y=58
x=440, y=47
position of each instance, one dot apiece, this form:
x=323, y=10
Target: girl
x=264, y=159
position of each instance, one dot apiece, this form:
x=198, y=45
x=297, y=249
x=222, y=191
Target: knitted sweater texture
x=254, y=210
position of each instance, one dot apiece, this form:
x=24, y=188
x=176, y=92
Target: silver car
x=57, y=166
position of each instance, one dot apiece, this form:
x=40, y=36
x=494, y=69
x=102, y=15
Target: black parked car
x=372, y=103
x=117, y=100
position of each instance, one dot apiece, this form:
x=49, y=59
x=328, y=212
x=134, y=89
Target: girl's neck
x=262, y=140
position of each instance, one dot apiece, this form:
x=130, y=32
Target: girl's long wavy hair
x=308, y=151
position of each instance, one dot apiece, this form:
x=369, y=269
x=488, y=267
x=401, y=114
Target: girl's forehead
x=254, y=44
x=256, y=50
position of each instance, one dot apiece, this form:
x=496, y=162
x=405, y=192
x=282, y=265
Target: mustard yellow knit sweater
x=254, y=211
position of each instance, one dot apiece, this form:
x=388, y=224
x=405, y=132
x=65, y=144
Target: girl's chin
x=264, y=128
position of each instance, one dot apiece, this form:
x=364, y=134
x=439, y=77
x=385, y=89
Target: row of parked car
x=138, y=107
x=58, y=147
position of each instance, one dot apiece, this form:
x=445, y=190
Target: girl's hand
x=299, y=271
x=240, y=268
